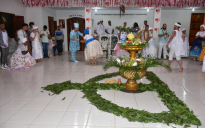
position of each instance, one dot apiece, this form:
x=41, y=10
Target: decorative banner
x=88, y=21
x=157, y=17
x=115, y=3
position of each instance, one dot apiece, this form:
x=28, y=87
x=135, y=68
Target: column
x=157, y=20
x=88, y=19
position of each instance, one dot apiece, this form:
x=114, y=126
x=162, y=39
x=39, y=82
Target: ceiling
x=127, y=8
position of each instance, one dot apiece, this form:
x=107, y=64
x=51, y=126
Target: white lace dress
x=93, y=49
x=37, y=52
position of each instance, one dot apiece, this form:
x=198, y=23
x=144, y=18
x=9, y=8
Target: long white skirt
x=186, y=47
x=203, y=67
x=93, y=49
x=37, y=52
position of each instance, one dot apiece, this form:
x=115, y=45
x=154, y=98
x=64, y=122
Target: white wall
x=15, y=7
x=48, y=12
x=183, y=16
x=64, y=14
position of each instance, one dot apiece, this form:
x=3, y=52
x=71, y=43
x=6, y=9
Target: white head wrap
x=150, y=28
x=101, y=20
x=202, y=26
x=177, y=24
x=183, y=29
x=34, y=27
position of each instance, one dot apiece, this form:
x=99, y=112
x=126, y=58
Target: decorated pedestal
x=130, y=75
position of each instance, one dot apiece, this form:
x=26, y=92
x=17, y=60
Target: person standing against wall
x=4, y=43
x=45, y=34
x=145, y=24
x=59, y=37
x=109, y=29
x=163, y=35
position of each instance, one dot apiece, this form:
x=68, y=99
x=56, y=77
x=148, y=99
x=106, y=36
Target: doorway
x=197, y=19
x=51, y=26
x=70, y=26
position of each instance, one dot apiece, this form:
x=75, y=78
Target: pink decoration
x=115, y=3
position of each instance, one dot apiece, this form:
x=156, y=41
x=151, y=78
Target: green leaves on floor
x=178, y=113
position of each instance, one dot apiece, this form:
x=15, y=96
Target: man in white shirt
x=4, y=43
x=109, y=29
x=100, y=28
x=45, y=35
x=143, y=27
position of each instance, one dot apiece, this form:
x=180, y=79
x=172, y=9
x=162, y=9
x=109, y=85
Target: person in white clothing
x=163, y=35
x=93, y=48
x=186, y=43
x=145, y=24
x=100, y=28
x=45, y=35
x=109, y=29
x=22, y=33
x=36, y=46
x=145, y=36
x=175, y=44
x=152, y=49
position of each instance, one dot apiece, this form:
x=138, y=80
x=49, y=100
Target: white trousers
x=172, y=53
x=162, y=46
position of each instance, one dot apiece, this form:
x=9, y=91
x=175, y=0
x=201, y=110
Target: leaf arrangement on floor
x=178, y=113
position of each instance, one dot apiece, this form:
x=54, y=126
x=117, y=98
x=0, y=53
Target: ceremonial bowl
x=131, y=83
x=133, y=50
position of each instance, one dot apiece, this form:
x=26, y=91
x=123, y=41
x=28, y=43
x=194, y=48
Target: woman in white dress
x=93, y=48
x=21, y=58
x=186, y=43
x=152, y=49
x=36, y=46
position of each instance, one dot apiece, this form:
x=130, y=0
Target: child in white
x=36, y=46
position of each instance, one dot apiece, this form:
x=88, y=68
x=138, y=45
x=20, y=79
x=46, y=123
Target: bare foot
x=181, y=70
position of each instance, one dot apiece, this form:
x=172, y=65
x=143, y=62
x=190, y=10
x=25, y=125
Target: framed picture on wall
x=62, y=23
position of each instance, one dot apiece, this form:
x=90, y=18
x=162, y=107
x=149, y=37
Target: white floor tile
x=75, y=118
x=14, y=105
x=101, y=119
x=23, y=117
x=14, y=126
x=36, y=105
x=42, y=126
x=58, y=105
x=5, y=115
x=49, y=117
x=60, y=126
x=80, y=106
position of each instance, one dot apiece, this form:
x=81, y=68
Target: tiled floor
x=23, y=105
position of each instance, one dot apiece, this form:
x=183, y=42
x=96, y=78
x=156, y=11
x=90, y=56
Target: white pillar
x=88, y=19
x=157, y=20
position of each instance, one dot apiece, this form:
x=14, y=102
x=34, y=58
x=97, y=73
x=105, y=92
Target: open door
x=197, y=19
x=70, y=26
x=51, y=26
